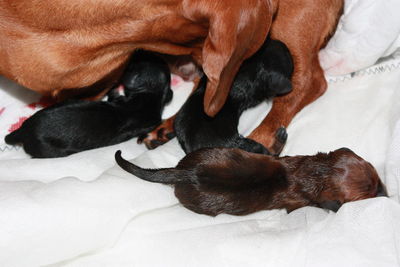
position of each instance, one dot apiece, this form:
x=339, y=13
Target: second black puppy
x=266, y=74
x=78, y=125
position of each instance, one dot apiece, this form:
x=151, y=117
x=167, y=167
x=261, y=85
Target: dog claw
x=280, y=141
x=281, y=135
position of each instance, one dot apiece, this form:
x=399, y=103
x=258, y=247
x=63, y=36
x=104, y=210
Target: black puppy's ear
x=280, y=84
x=333, y=205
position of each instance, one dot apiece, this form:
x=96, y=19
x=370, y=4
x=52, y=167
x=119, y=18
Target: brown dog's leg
x=304, y=35
x=308, y=85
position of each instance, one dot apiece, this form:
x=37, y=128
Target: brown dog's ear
x=236, y=31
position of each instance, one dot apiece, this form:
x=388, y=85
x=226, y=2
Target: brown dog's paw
x=273, y=140
x=280, y=141
x=156, y=138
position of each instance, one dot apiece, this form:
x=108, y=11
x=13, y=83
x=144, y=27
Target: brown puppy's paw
x=157, y=137
x=280, y=141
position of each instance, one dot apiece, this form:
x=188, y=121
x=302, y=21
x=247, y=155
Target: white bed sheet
x=77, y=211
x=367, y=31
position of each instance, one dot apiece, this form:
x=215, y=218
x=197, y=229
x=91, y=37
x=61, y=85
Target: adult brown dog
x=233, y=181
x=68, y=48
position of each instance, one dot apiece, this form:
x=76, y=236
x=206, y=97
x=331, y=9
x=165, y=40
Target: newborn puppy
x=233, y=181
x=78, y=125
x=264, y=75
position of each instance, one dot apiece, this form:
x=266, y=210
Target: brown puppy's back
x=213, y=181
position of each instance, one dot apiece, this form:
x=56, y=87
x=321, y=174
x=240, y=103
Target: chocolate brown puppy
x=229, y=180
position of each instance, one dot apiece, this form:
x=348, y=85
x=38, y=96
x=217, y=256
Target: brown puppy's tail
x=164, y=176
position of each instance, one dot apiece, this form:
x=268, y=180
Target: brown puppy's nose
x=381, y=191
x=333, y=205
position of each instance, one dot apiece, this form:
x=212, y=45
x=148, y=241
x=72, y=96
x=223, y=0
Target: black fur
x=77, y=125
x=266, y=74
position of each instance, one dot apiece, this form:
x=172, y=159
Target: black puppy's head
x=147, y=72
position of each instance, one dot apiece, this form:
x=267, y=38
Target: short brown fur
x=54, y=46
x=214, y=181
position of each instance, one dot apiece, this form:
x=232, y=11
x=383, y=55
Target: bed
x=82, y=210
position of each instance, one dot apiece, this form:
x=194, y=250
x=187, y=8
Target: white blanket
x=367, y=31
x=83, y=210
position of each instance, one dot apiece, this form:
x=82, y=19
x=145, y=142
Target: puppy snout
x=381, y=191
x=333, y=205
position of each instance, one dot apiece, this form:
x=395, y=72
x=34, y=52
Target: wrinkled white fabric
x=367, y=31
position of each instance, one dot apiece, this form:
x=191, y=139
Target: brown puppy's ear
x=236, y=31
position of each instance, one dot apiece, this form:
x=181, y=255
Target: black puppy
x=78, y=125
x=266, y=74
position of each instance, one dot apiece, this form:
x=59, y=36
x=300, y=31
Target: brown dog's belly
x=85, y=60
x=48, y=70
x=75, y=45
